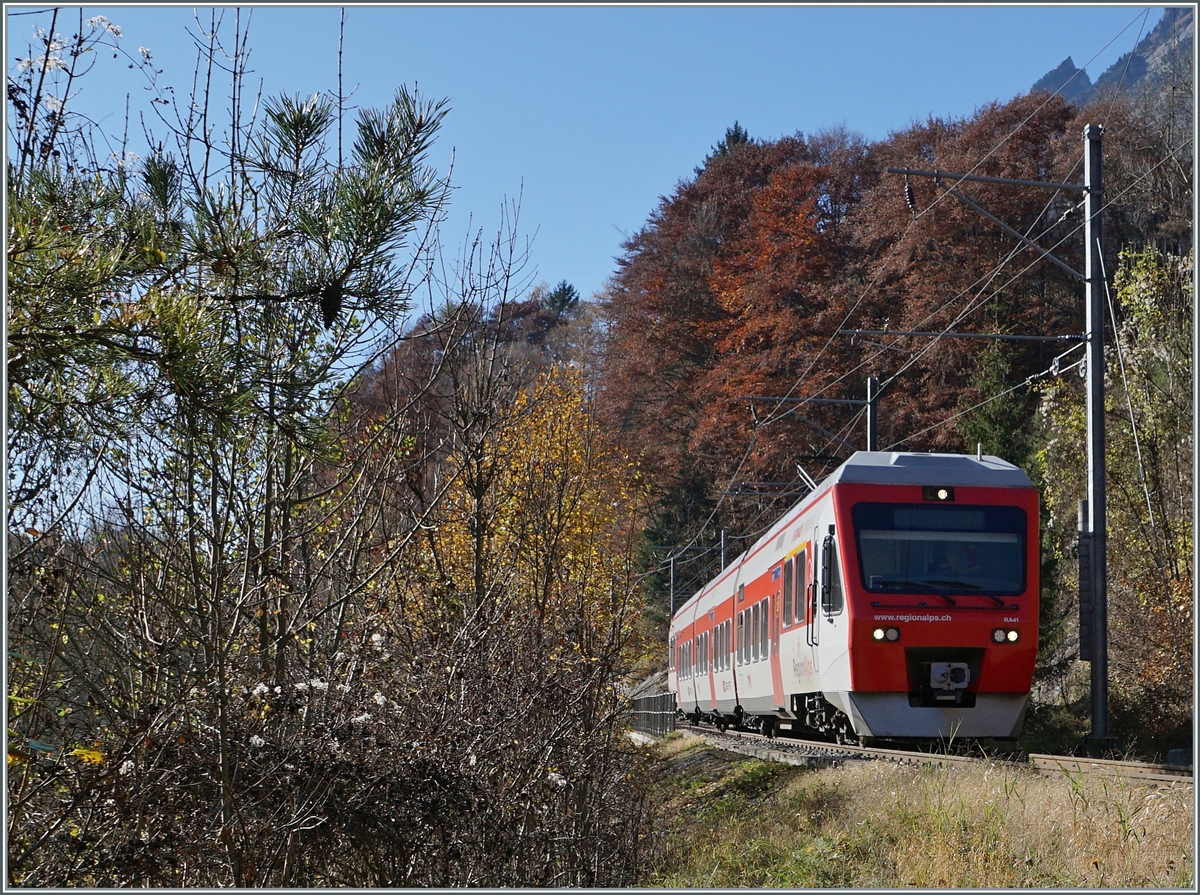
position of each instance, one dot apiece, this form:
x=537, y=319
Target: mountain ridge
x=1158, y=59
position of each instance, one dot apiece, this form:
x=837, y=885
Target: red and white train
x=899, y=600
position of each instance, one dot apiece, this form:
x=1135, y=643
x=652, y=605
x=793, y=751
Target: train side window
x=801, y=569
x=745, y=635
x=741, y=638
x=755, y=622
x=787, y=594
x=764, y=632
x=831, y=583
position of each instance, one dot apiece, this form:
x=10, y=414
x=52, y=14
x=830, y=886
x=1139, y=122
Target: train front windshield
x=940, y=548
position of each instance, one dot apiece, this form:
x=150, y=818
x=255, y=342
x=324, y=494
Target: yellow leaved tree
x=537, y=521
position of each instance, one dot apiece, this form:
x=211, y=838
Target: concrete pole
x=1097, y=505
x=672, y=587
x=872, y=414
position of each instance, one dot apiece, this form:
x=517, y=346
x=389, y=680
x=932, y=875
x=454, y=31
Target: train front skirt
x=997, y=715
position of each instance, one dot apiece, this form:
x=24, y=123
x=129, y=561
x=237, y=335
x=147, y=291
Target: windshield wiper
x=918, y=588
x=957, y=585
x=970, y=588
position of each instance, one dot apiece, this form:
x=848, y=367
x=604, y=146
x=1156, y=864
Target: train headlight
x=1005, y=635
x=1013, y=636
x=889, y=634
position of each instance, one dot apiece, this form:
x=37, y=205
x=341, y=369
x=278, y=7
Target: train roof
x=891, y=468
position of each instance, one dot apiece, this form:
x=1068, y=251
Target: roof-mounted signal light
x=940, y=493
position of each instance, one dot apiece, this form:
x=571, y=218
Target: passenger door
x=812, y=613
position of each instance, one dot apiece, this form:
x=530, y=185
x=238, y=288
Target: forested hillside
x=731, y=369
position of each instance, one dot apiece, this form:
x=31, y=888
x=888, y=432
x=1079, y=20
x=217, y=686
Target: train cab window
x=941, y=548
x=787, y=594
x=832, y=600
x=801, y=568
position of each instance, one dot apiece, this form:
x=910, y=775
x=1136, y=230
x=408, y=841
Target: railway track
x=1134, y=770
x=815, y=753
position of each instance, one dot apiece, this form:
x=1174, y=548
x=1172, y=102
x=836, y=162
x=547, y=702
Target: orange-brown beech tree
x=926, y=261
x=718, y=299
x=772, y=323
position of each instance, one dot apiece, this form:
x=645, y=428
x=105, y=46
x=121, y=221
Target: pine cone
x=331, y=303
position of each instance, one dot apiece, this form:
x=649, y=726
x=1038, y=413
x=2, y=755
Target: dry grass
x=732, y=823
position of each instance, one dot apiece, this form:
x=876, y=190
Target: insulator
x=908, y=197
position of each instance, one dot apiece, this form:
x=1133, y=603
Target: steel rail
x=817, y=753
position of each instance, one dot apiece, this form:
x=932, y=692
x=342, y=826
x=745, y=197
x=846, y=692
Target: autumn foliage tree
x=721, y=300
x=935, y=263
x=1148, y=423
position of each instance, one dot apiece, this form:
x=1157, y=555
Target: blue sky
x=592, y=113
